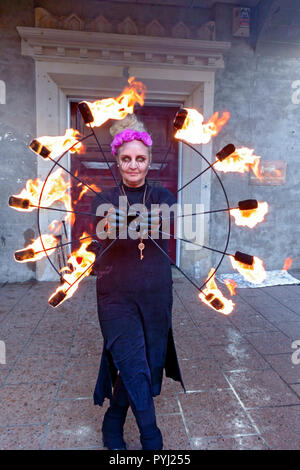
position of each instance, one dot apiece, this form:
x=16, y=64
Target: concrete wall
x=257, y=89
x=17, y=124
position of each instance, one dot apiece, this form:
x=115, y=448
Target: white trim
x=61, y=45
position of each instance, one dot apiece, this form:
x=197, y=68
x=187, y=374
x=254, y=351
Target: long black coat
x=135, y=309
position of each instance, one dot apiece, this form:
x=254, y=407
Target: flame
x=82, y=192
x=287, y=264
x=240, y=161
x=55, y=226
x=79, y=262
x=255, y=273
x=49, y=241
x=118, y=108
x=211, y=293
x=195, y=132
x=231, y=285
x=58, y=145
x=252, y=217
x=85, y=189
x=54, y=190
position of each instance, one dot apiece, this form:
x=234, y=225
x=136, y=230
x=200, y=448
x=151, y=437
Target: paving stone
x=214, y=413
x=279, y=426
x=53, y=357
x=261, y=388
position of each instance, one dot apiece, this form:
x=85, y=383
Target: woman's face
x=134, y=160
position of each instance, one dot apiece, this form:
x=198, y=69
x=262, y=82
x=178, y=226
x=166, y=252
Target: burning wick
x=35, y=251
x=249, y=213
x=46, y=145
x=98, y=112
x=24, y=255
x=190, y=127
x=57, y=298
x=248, y=204
x=213, y=297
x=250, y=267
x=240, y=161
x=225, y=152
x=244, y=258
x=39, y=148
x=19, y=202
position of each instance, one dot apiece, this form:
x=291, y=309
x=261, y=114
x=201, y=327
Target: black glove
x=116, y=219
x=149, y=222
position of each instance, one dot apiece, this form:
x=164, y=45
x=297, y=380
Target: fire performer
x=135, y=298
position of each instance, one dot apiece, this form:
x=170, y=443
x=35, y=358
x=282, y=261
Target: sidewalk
x=243, y=391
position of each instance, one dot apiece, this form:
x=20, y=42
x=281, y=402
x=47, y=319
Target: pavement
x=242, y=382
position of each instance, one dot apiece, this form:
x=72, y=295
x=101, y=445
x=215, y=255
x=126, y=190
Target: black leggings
x=115, y=416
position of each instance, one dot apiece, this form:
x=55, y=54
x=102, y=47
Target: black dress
x=135, y=309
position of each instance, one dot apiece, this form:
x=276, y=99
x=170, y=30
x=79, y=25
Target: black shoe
x=112, y=447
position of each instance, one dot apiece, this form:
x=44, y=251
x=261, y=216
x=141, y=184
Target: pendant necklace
x=141, y=245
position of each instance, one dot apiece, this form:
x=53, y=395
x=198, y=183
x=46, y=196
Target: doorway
x=91, y=167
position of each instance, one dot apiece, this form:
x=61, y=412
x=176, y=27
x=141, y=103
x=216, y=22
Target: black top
x=120, y=269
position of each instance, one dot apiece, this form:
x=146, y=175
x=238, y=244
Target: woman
x=134, y=292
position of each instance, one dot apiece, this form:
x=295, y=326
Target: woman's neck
x=129, y=184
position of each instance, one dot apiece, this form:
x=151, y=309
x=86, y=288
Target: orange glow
x=78, y=262
x=252, y=217
x=212, y=294
x=58, y=145
x=197, y=132
x=255, y=273
x=287, y=264
x=231, y=285
x=38, y=252
x=85, y=189
x=54, y=190
x=240, y=161
x=118, y=108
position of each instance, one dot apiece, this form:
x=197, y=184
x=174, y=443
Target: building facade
x=190, y=54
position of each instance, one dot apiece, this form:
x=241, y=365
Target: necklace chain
x=141, y=245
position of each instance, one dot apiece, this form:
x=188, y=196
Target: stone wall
x=260, y=90
x=17, y=128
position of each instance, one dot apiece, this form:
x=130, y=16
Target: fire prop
x=253, y=272
x=98, y=112
x=35, y=251
x=48, y=146
x=213, y=297
x=190, y=126
x=79, y=262
x=249, y=217
x=191, y=129
x=56, y=190
x=240, y=161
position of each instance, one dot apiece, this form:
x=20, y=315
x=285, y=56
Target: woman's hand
x=116, y=219
x=149, y=222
